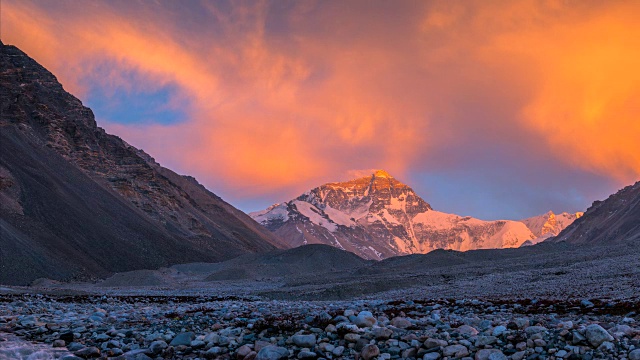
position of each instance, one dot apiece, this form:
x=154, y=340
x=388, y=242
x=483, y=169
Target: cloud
x=278, y=97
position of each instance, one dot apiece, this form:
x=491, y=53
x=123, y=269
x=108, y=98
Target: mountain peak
x=381, y=174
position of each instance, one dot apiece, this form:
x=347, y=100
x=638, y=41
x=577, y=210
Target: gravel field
x=195, y=327
x=543, y=302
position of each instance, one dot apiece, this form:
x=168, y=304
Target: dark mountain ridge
x=77, y=202
x=614, y=220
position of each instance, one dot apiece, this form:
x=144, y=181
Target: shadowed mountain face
x=614, y=220
x=78, y=202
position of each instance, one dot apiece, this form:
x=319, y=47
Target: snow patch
x=338, y=216
x=273, y=212
x=314, y=215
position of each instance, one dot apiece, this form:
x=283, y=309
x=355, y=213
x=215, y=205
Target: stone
x=539, y=343
x=307, y=341
x=498, y=330
x=634, y=355
x=184, y=338
x=431, y=356
x=498, y=355
x=490, y=354
x=521, y=323
x=530, y=330
x=156, y=347
x=350, y=337
x=369, y=352
x=360, y=344
x=224, y=341
x=400, y=322
x=455, y=350
x=577, y=338
x=607, y=347
x=409, y=353
x=338, y=351
x=482, y=341
x=348, y=327
x=432, y=343
x=74, y=346
x=197, y=344
x=307, y=355
x=587, y=303
x=88, y=352
x=467, y=330
x=596, y=335
x=365, y=319
x=565, y=325
x=381, y=333
x=259, y=345
x=242, y=352
x=213, y=353
x=272, y=352
x=561, y=353
x=619, y=331
x=326, y=347
x=59, y=343
x=212, y=338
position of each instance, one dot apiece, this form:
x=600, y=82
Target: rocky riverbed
x=198, y=327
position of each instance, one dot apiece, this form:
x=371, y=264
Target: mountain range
x=77, y=203
x=378, y=216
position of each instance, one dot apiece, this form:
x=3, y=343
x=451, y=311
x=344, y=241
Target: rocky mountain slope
x=378, y=217
x=614, y=220
x=549, y=225
x=78, y=202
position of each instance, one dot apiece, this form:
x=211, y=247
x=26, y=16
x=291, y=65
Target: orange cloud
x=588, y=102
x=282, y=97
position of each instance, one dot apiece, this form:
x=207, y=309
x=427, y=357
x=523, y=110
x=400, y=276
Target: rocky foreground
x=247, y=329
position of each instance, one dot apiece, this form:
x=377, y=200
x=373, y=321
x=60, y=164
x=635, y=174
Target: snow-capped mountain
x=378, y=217
x=549, y=225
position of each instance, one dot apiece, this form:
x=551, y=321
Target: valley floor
x=143, y=327
x=542, y=302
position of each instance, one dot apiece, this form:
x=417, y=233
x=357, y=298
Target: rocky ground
x=157, y=327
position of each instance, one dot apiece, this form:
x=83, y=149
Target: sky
x=493, y=109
